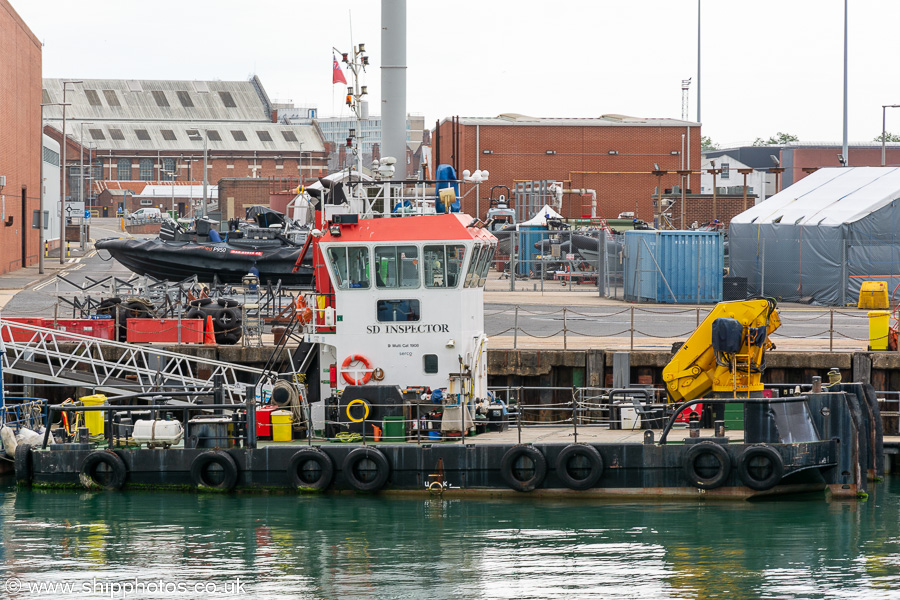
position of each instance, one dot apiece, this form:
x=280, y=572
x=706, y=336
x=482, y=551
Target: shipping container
x=674, y=267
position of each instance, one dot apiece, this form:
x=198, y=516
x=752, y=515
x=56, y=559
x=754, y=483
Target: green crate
x=734, y=417
x=394, y=429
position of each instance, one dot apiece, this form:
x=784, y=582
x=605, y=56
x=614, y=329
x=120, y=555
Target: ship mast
x=357, y=61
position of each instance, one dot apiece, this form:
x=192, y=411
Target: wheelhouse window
x=442, y=265
x=484, y=267
x=350, y=266
x=396, y=267
x=397, y=310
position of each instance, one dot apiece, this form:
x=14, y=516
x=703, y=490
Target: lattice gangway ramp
x=115, y=368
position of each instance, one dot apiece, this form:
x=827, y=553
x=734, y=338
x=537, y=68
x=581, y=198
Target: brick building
x=614, y=155
x=153, y=131
x=799, y=156
x=20, y=140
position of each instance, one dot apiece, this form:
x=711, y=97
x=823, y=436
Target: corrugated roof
x=167, y=100
x=829, y=197
x=185, y=136
x=609, y=120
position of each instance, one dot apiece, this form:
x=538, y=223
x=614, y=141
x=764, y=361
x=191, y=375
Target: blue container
x=528, y=236
x=674, y=266
x=434, y=435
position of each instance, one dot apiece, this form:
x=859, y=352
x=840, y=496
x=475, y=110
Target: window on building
x=289, y=136
x=227, y=100
x=160, y=97
x=111, y=97
x=264, y=136
x=442, y=265
x=396, y=267
x=116, y=134
x=146, y=173
x=350, y=266
x=146, y=202
x=97, y=170
x=97, y=134
x=194, y=135
x=93, y=97
x=45, y=96
x=168, y=166
x=726, y=170
x=397, y=310
x=123, y=169
x=185, y=99
x=238, y=136
x=142, y=134
x=214, y=136
x=168, y=135
x=51, y=157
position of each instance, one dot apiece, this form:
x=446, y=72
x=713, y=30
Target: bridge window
x=471, y=273
x=396, y=267
x=443, y=265
x=397, y=310
x=350, y=266
x=485, y=264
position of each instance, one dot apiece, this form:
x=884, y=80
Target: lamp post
x=884, y=108
x=81, y=149
x=205, y=150
x=62, y=199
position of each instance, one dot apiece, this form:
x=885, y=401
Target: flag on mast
x=337, y=75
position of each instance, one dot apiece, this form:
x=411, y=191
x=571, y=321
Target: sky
x=767, y=66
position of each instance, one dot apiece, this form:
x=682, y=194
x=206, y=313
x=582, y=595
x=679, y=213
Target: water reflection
x=380, y=547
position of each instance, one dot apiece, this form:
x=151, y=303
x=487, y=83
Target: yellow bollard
x=67, y=249
x=46, y=249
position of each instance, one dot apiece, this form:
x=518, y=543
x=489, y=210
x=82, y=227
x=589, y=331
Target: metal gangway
x=116, y=368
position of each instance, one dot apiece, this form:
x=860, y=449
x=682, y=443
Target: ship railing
x=21, y=412
x=212, y=424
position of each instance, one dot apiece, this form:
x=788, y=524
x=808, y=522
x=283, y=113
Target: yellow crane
x=726, y=354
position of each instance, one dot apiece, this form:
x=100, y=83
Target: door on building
x=105, y=211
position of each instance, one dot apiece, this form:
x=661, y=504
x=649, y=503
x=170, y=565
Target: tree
x=890, y=137
x=706, y=143
x=779, y=139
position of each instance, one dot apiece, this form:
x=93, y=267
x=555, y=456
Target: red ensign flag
x=337, y=75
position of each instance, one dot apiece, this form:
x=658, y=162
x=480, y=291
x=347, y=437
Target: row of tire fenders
x=311, y=460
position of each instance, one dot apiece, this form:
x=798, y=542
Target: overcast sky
x=767, y=65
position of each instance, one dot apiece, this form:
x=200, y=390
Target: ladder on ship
x=115, y=368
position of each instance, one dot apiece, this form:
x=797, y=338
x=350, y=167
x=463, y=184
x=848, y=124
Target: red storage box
x=264, y=421
x=104, y=329
x=165, y=331
x=23, y=335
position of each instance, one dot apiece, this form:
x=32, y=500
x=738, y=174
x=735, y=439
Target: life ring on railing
x=760, y=467
x=360, y=359
x=366, y=469
x=579, y=466
x=523, y=468
x=704, y=475
x=303, y=311
x=113, y=479
x=201, y=474
x=353, y=403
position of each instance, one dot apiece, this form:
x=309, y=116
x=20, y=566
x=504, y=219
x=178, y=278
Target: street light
x=81, y=148
x=884, y=108
x=62, y=199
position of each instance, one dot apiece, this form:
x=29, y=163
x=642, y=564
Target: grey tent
x=821, y=238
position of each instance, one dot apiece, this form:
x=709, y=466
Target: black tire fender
x=508, y=466
x=694, y=478
x=765, y=452
x=95, y=459
x=228, y=319
x=218, y=457
x=23, y=464
x=302, y=458
x=594, y=460
x=200, y=302
x=228, y=302
x=381, y=463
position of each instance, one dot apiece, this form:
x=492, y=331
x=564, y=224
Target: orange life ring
x=352, y=359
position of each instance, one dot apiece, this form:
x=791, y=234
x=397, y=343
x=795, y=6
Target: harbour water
x=165, y=545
